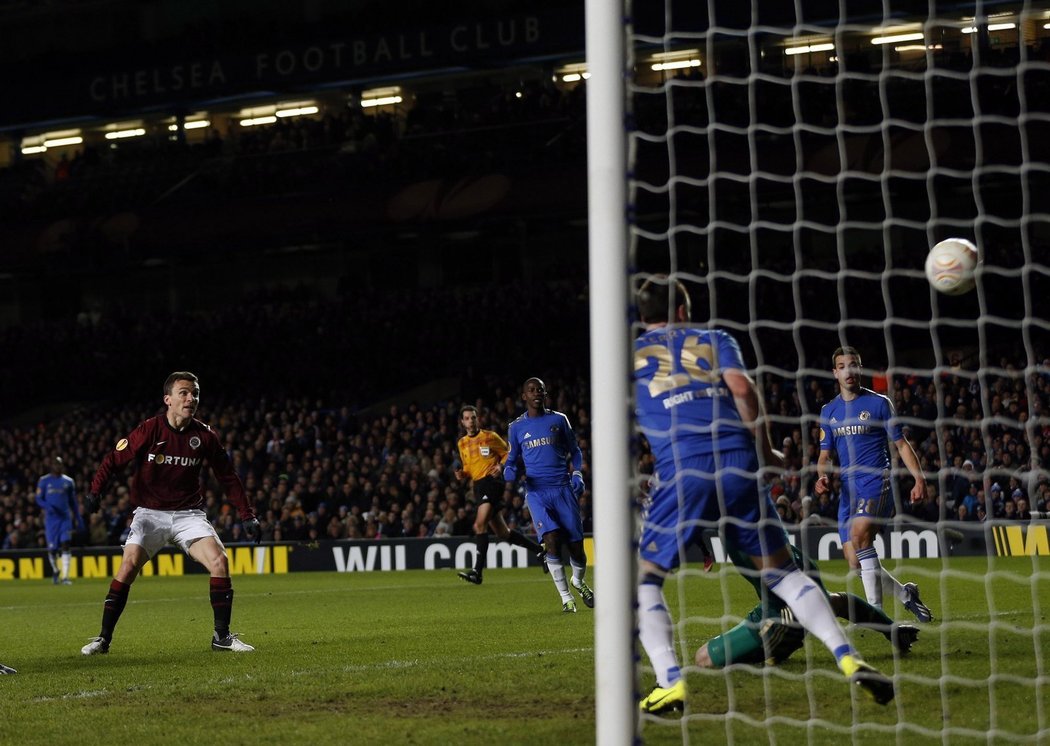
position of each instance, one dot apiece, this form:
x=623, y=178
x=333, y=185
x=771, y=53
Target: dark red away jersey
x=169, y=465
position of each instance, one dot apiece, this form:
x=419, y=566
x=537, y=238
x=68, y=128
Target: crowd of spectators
x=313, y=471
x=321, y=470
x=295, y=415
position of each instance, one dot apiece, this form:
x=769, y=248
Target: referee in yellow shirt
x=482, y=453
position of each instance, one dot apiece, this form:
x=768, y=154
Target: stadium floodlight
x=125, y=134
x=386, y=96
x=196, y=124
x=676, y=60
x=297, y=111
x=898, y=38
x=807, y=48
x=572, y=73
x=33, y=149
x=992, y=27
x=381, y=101
x=59, y=142
x=678, y=65
x=254, y=121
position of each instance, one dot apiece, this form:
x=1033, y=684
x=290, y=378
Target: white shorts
x=153, y=529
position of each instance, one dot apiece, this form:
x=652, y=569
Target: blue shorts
x=719, y=491
x=555, y=509
x=871, y=504
x=58, y=532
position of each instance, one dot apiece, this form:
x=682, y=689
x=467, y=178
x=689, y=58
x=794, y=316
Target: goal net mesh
x=793, y=163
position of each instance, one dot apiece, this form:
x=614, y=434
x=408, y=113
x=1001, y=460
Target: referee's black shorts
x=489, y=490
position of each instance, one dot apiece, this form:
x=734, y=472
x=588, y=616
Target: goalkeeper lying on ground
x=769, y=634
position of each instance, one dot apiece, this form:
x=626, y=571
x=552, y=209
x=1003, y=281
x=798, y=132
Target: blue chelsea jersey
x=546, y=445
x=683, y=405
x=57, y=495
x=858, y=431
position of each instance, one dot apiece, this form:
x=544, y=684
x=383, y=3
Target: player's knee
x=651, y=578
x=703, y=658
x=127, y=572
x=218, y=565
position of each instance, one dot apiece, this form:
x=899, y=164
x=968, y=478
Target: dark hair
x=179, y=375
x=845, y=350
x=537, y=380
x=467, y=408
x=659, y=298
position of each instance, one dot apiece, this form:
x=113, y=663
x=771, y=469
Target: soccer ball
x=950, y=265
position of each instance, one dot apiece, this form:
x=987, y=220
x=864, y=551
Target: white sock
x=871, y=575
x=66, y=557
x=656, y=632
x=53, y=559
x=578, y=571
x=891, y=584
x=557, y=571
x=810, y=607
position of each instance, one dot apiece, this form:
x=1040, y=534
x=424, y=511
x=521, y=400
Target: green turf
x=421, y=657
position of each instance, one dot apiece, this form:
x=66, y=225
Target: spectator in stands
x=962, y=478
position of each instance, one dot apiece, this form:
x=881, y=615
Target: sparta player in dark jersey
x=169, y=452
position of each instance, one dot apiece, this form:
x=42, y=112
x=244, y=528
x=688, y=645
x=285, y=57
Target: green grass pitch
x=421, y=657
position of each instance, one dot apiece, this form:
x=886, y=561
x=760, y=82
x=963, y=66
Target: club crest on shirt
x=555, y=428
x=865, y=415
x=122, y=444
x=195, y=442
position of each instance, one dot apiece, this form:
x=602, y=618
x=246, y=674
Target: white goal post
x=614, y=672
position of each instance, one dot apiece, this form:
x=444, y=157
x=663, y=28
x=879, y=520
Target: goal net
x=793, y=163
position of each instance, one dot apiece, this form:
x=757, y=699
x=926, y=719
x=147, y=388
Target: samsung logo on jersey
x=160, y=458
x=852, y=430
x=538, y=442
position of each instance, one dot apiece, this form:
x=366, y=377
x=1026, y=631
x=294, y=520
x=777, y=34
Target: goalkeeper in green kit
x=769, y=633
